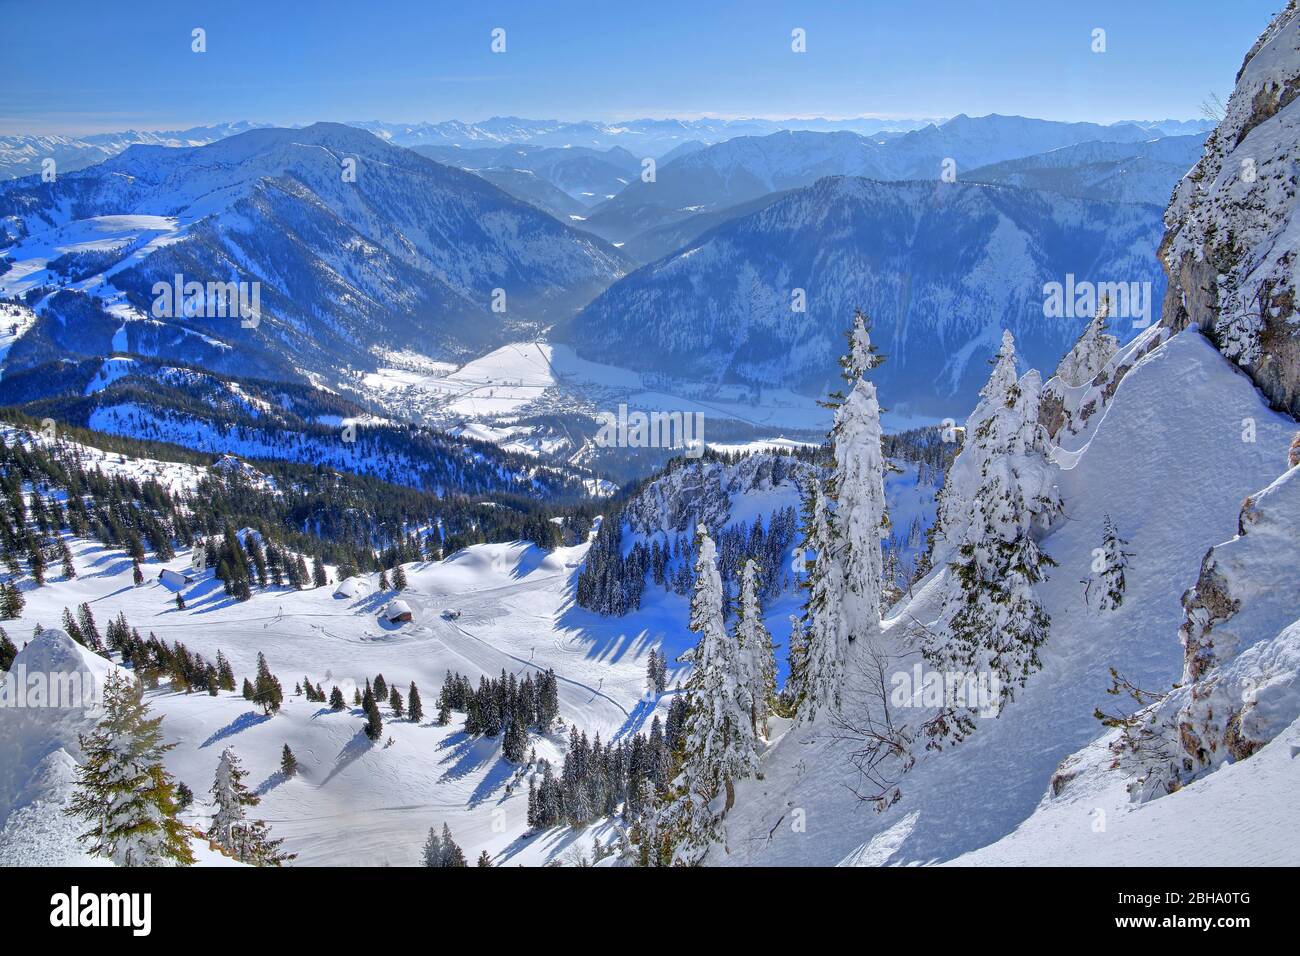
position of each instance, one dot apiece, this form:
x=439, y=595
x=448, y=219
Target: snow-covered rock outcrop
x=50, y=696
x=1241, y=637
x=1234, y=222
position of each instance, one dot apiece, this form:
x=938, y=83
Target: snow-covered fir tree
x=757, y=660
x=122, y=791
x=1091, y=352
x=248, y=841
x=1000, y=493
x=229, y=798
x=844, y=522
x=796, y=658
x=718, y=743
x=1109, y=564
x=821, y=670
x=857, y=486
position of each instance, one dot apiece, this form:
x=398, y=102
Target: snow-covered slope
x=1167, y=462
x=1238, y=817
x=354, y=803
x=70, y=680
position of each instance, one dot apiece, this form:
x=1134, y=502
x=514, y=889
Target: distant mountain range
x=941, y=268
x=643, y=137
x=1117, y=172
x=411, y=254
x=23, y=155
x=589, y=176
x=666, y=139
x=743, y=169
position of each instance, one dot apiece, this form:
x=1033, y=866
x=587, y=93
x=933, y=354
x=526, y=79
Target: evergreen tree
x=336, y=699
x=441, y=850
x=122, y=790
x=396, y=703
x=1091, y=353
x=399, y=578
x=7, y=651
x=248, y=689
x=515, y=744
x=1113, y=560
x=230, y=797
x=548, y=701
x=380, y=687
x=820, y=675
x=413, y=705
x=225, y=673
x=288, y=763
x=267, y=692
x=11, y=601
x=757, y=660
x=248, y=841
x=844, y=522
x=484, y=859
x=651, y=666
x=433, y=848
x=89, y=630
x=719, y=745
x=999, y=492
x=374, y=723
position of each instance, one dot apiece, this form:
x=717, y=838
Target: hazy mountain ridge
x=744, y=168
x=409, y=254
x=1115, y=172
x=941, y=268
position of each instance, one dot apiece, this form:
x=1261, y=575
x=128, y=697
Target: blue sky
x=90, y=66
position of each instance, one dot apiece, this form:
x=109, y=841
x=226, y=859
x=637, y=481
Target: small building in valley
x=398, y=612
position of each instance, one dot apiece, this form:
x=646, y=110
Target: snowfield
x=355, y=803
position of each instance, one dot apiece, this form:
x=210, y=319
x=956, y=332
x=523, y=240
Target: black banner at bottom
x=146, y=907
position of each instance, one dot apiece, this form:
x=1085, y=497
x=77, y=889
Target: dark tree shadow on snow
x=241, y=723
x=353, y=750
